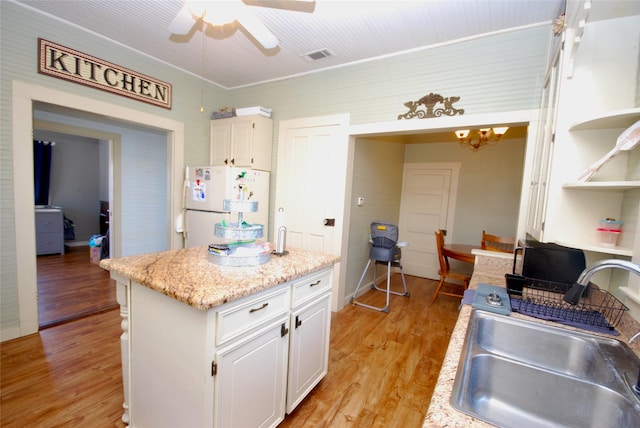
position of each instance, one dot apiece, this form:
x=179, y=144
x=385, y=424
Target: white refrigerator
x=205, y=189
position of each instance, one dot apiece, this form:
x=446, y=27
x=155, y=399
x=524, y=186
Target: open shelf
x=615, y=119
x=616, y=251
x=603, y=185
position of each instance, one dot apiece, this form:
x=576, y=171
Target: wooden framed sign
x=69, y=64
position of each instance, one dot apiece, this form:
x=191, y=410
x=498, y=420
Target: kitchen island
x=489, y=269
x=209, y=345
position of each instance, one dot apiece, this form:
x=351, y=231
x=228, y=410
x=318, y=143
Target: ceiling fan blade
x=183, y=22
x=258, y=30
x=291, y=5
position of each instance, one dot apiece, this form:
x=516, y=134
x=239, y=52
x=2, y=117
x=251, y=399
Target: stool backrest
x=383, y=234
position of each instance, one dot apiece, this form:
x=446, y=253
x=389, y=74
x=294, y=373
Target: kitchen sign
x=68, y=64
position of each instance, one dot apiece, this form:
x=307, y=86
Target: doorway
x=23, y=97
x=488, y=179
x=84, y=147
x=70, y=284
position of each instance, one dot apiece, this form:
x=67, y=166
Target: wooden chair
x=497, y=243
x=445, y=271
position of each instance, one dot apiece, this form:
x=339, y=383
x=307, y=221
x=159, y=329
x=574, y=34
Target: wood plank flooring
x=382, y=368
x=64, y=376
x=69, y=287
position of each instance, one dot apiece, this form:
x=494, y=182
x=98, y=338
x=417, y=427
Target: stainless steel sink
x=577, y=355
x=515, y=373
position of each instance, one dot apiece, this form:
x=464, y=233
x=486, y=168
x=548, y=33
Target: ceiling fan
x=221, y=12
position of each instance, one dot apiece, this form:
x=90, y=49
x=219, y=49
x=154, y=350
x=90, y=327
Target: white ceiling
x=353, y=31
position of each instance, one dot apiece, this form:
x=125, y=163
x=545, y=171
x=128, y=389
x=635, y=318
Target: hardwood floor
x=64, y=376
x=382, y=368
x=69, y=287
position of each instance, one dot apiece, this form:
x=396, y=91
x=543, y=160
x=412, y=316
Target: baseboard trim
x=76, y=243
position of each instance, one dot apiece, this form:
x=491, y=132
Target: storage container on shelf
x=608, y=237
x=609, y=232
x=610, y=223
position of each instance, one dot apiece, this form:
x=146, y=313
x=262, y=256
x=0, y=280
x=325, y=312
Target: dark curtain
x=42, y=151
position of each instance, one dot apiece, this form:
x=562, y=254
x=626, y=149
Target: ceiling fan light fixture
x=225, y=15
x=219, y=13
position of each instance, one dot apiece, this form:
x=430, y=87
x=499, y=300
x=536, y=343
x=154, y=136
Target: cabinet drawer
x=246, y=315
x=48, y=222
x=310, y=286
x=49, y=243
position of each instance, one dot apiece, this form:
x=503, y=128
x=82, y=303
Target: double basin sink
x=517, y=373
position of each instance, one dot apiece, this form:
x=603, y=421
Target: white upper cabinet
x=539, y=183
x=242, y=141
x=597, y=101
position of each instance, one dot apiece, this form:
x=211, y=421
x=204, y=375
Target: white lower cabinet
x=242, y=364
x=250, y=379
x=308, y=349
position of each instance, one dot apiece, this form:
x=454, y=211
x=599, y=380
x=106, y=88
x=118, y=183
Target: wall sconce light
x=486, y=136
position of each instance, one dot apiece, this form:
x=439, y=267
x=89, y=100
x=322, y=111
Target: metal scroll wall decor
x=432, y=105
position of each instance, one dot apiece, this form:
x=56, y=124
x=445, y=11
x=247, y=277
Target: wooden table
x=460, y=252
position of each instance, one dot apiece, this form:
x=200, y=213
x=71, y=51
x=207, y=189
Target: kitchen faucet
x=574, y=294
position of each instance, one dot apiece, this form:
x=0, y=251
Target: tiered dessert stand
x=240, y=234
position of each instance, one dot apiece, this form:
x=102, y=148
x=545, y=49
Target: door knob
x=329, y=222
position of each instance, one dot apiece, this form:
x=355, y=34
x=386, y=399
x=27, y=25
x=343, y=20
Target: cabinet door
x=244, y=141
x=261, y=148
x=241, y=143
x=251, y=378
x=220, y=143
x=544, y=148
x=309, y=349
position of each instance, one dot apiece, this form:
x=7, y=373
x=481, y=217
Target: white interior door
x=307, y=197
x=310, y=189
x=427, y=204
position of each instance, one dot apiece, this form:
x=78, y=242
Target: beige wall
x=377, y=177
x=488, y=193
x=489, y=188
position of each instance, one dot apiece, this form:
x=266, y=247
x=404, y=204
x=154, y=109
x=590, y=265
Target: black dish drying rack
x=544, y=300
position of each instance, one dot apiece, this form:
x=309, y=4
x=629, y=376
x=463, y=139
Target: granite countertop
x=489, y=270
x=187, y=275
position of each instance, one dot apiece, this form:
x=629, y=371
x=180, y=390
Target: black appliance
x=546, y=266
